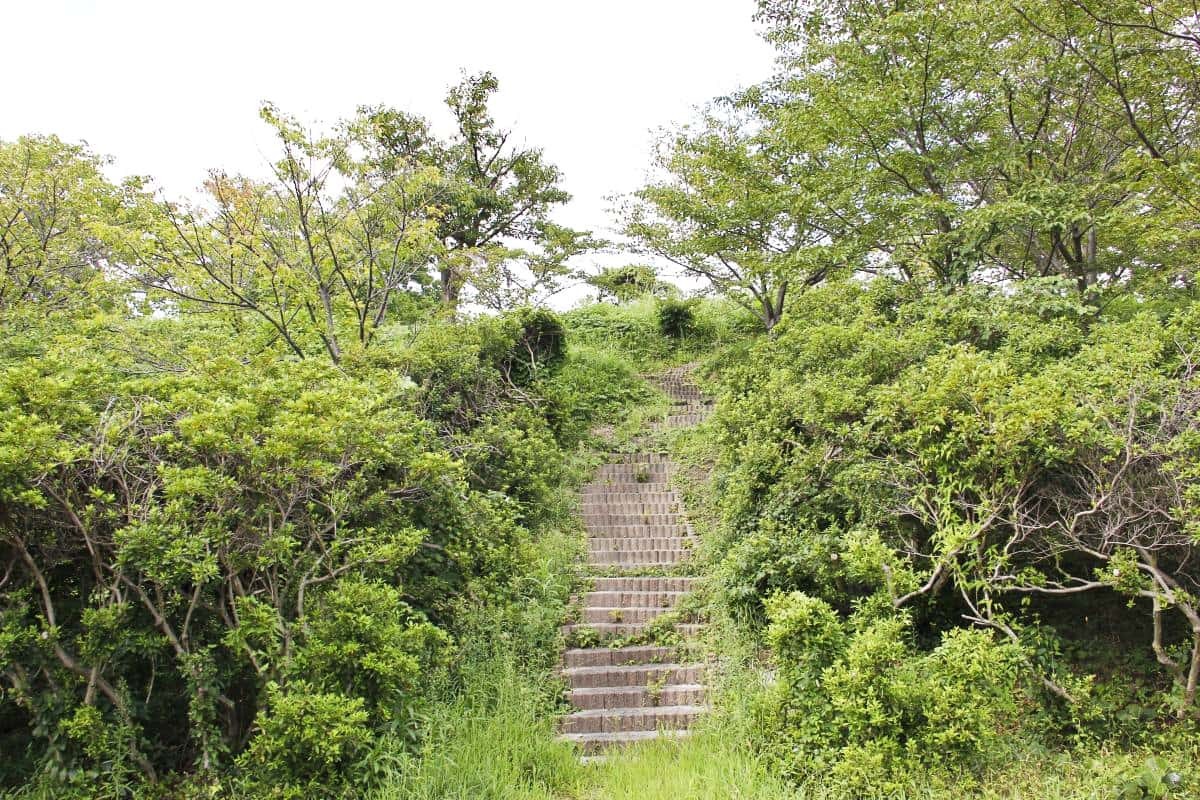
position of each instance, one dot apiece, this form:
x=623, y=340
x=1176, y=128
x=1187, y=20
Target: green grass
x=707, y=766
x=493, y=735
x=494, y=741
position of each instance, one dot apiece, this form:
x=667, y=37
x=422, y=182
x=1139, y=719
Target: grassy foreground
x=496, y=742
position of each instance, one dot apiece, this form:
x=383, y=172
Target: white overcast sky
x=171, y=88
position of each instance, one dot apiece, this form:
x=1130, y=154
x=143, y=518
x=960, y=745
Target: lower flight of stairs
x=635, y=524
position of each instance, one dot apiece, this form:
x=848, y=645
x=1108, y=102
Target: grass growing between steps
x=496, y=742
x=706, y=766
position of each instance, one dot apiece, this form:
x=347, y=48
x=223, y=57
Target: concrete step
x=632, y=470
x=631, y=505
x=604, y=519
x=635, y=544
x=632, y=513
x=618, y=501
x=639, y=458
x=628, y=492
x=633, y=599
x=637, y=558
x=621, y=613
x=610, y=656
x=683, y=694
x=654, y=502
x=658, y=483
x=603, y=720
x=592, y=743
x=637, y=531
x=622, y=630
x=633, y=675
x=646, y=584
x=635, y=514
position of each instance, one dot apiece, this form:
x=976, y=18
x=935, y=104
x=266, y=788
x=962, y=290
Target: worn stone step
x=633, y=510
x=637, y=558
x=634, y=528
x=593, y=743
x=653, y=718
x=633, y=469
x=639, y=458
x=635, y=514
x=652, y=583
x=617, y=656
x=622, y=613
x=628, y=501
x=638, y=531
x=621, y=630
x=683, y=694
x=635, y=544
x=593, y=493
x=603, y=519
x=633, y=599
x=633, y=675
x=597, y=501
x=625, y=483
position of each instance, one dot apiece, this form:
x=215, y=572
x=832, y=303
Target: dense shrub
x=974, y=461
x=630, y=329
x=649, y=332
x=859, y=700
x=248, y=567
x=676, y=318
x=591, y=385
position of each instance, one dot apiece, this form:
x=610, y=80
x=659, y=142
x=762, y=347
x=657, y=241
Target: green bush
x=630, y=330
x=239, y=550
x=306, y=744
x=858, y=699
x=587, y=389
x=676, y=318
x=889, y=447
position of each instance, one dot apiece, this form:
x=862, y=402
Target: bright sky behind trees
x=171, y=89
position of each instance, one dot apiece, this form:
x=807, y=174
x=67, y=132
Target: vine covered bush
x=246, y=565
x=676, y=318
x=939, y=504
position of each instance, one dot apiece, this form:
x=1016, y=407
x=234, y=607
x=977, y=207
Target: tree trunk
x=450, y=288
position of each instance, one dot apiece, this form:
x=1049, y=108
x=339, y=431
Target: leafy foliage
x=245, y=564
x=676, y=319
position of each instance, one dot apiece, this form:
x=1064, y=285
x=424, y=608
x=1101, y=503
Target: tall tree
x=733, y=208
x=62, y=224
x=495, y=202
x=980, y=140
x=319, y=253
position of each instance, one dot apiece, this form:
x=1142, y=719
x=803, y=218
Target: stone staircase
x=635, y=525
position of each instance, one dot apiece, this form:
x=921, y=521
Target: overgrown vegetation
x=252, y=483
x=278, y=519
x=956, y=474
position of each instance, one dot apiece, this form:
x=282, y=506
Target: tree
x=320, y=253
x=626, y=283
x=351, y=223
x=63, y=224
x=733, y=209
x=494, y=203
x=969, y=141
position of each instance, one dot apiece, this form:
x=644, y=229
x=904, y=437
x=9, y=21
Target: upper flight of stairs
x=635, y=524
